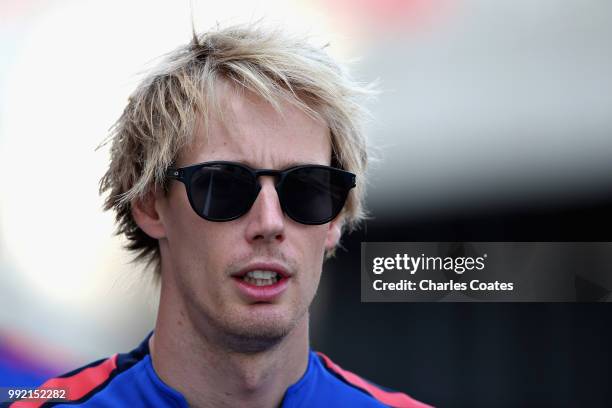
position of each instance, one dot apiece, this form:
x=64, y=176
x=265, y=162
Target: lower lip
x=262, y=293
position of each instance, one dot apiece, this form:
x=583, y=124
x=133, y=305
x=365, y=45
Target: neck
x=211, y=375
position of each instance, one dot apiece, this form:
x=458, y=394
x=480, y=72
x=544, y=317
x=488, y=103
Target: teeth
x=261, y=274
x=261, y=278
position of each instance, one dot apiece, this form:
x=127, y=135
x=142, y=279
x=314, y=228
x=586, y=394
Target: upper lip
x=263, y=266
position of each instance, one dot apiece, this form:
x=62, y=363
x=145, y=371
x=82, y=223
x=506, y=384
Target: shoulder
x=78, y=384
x=383, y=396
x=122, y=380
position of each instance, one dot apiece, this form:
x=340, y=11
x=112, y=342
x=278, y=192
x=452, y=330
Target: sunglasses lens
x=222, y=192
x=315, y=195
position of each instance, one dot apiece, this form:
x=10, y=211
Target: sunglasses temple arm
x=175, y=174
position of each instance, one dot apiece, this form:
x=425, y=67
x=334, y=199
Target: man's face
x=202, y=258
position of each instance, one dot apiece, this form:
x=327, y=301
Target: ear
x=333, y=234
x=146, y=215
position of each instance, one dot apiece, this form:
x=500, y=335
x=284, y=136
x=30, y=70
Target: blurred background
x=494, y=124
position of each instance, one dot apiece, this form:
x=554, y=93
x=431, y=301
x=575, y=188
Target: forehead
x=247, y=129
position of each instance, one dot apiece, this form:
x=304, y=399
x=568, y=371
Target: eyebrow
x=285, y=165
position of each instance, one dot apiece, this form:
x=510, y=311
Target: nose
x=266, y=220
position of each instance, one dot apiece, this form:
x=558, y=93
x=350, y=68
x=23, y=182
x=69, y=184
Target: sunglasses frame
x=184, y=174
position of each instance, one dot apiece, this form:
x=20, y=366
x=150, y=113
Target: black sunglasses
x=223, y=191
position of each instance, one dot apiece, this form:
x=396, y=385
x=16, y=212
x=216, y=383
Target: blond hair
x=161, y=113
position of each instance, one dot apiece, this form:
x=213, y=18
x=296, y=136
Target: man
x=235, y=167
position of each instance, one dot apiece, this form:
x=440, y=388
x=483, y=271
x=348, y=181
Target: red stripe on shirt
x=394, y=399
x=77, y=386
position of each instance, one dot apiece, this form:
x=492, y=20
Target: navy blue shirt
x=129, y=380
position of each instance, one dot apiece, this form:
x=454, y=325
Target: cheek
x=313, y=263
x=312, y=250
x=198, y=257
x=187, y=241
x=198, y=245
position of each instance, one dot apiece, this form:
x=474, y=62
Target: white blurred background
x=482, y=102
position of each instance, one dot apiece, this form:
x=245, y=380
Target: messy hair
x=161, y=114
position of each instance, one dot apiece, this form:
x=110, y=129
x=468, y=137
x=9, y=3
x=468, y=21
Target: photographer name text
x=414, y=264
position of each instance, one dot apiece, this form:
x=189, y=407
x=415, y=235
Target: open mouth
x=261, y=278
x=262, y=282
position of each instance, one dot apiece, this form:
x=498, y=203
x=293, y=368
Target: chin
x=258, y=330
